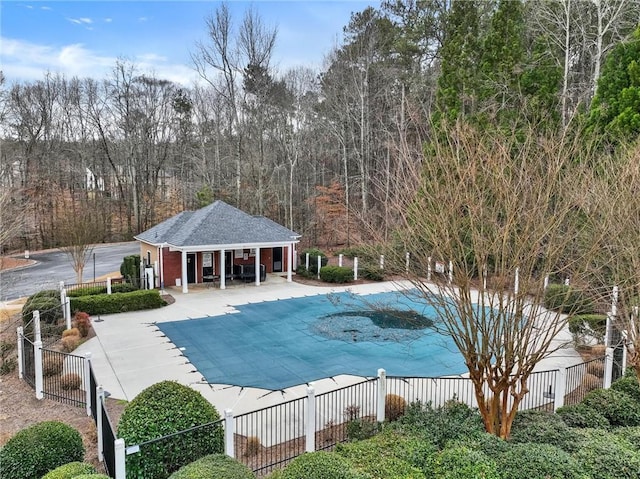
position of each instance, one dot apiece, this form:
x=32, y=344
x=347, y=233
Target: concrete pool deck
x=130, y=353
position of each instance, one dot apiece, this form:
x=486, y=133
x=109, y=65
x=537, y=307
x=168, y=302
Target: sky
x=85, y=38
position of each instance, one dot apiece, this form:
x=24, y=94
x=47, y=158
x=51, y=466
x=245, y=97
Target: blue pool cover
x=277, y=344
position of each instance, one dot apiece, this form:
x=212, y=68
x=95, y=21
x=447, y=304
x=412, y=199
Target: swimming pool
x=278, y=344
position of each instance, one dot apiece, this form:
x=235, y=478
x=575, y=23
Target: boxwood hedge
x=532, y=460
x=70, y=470
x=318, y=465
x=40, y=448
x=336, y=274
x=214, y=466
x=163, y=409
x=118, y=302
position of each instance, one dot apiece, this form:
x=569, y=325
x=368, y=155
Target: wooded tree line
x=327, y=153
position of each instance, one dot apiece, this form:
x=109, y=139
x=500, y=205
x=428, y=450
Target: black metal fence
x=338, y=410
x=582, y=378
x=162, y=456
x=63, y=377
x=433, y=391
x=93, y=286
x=29, y=363
x=108, y=442
x=269, y=438
x=541, y=395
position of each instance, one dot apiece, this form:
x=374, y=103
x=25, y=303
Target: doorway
x=191, y=268
x=277, y=260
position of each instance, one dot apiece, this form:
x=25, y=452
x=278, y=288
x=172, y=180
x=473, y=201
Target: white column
x=185, y=286
x=86, y=381
x=355, y=268
x=109, y=285
x=229, y=446
x=382, y=394
x=290, y=258
x=257, y=264
x=608, y=368
x=560, y=389
x=310, y=422
x=120, y=453
x=340, y=256
x=223, y=270
x=20, y=353
x=161, y=270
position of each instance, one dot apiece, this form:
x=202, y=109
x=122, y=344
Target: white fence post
x=20, y=353
x=608, y=368
x=382, y=394
x=516, y=282
x=407, y=256
x=450, y=272
x=381, y=261
x=310, y=422
x=545, y=284
x=307, y=261
x=614, y=301
x=99, y=399
x=229, y=446
x=560, y=389
x=37, y=355
x=355, y=268
x=319, y=265
x=61, y=285
x=108, y=285
x=67, y=310
x=119, y=449
x=87, y=382
x=429, y=268
x=485, y=272
x=340, y=256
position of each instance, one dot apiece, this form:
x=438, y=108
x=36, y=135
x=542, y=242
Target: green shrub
x=336, y=274
x=214, y=466
x=38, y=449
x=123, y=288
x=162, y=409
x=313, y=260
x=360, y=429
x=628, y=385
x=438, y=426
x=581, y=416
x=489, y=444
x=593, y=325
x=94, y=290
x=544, y=428
x=389, y=455
x=50, y=310
x=568, y=300
x=118, y=302
x=318, y=465
x=606, y=456
x=630, y=434
x=529, y=460
x=372, y=273
x=130, y=269
x=618, y=407
x=92, y=476
x=70, y=471
x=464, y=463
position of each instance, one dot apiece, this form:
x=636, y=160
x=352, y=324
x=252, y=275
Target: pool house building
x=216, y=244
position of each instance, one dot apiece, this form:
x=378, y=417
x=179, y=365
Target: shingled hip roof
x=217, y=224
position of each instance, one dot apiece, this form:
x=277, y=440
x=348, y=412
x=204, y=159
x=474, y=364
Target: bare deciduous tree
x=495, y=208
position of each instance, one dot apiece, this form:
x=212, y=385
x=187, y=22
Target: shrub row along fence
x=271, y=437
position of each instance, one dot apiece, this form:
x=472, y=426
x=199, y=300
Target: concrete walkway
x=130, y=353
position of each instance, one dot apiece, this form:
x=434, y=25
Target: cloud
x=142, y=19
x=46, y=8
x=108, y=20
x=81, y=21
x=25, y=62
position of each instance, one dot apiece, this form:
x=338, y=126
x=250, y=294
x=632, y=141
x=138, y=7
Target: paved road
x=55, y=266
